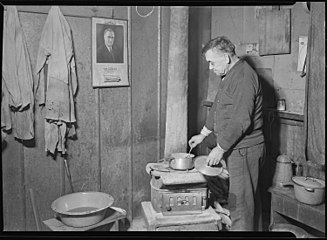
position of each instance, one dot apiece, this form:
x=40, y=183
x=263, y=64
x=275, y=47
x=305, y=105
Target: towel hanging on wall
x=56, y=80
x=17, y=98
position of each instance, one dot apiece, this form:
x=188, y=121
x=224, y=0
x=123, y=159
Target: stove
x=176, y=192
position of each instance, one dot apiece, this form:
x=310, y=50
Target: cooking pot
x=181, y=161
x=309, y=190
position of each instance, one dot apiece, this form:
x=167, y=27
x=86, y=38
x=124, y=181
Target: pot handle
x=309, y=189
x=171, y=159
x=165, y=159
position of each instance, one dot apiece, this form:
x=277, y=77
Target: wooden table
x=284, y=204
x=110, y=222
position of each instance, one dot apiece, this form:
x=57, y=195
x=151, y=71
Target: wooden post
x=177, y=85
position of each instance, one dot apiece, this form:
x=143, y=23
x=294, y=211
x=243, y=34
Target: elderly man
x=235, y=120
x=108, y=52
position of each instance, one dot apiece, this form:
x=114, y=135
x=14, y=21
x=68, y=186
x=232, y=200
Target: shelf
x=284, y=203
x=286, y=114
x=281, y=114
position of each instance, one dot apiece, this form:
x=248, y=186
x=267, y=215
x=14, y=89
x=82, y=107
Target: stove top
x=164, y=167
x=171, y=176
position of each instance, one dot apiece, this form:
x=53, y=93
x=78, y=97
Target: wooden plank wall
x=145, y=91
x=13, y=191
x=118, y=128
x=241, y=25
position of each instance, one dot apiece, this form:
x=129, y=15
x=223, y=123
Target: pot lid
x=182, y=155
x=309, y=182
x=200, y=163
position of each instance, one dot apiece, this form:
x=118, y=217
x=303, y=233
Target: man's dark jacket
x=104, y=56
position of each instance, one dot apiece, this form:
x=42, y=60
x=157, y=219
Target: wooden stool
x=113, y=215
x=208, y=220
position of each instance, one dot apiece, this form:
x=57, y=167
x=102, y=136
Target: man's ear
x=228, y=59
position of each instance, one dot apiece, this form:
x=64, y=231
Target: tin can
x=281, y=104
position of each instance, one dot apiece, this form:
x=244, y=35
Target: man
x=235, y=120
x=108, y=53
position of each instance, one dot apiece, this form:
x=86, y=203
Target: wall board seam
x=24, y=179
x=130, y=203
x=159, y=84
x=99, y=138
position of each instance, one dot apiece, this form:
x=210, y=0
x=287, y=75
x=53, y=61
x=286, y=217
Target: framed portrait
x=109, y=52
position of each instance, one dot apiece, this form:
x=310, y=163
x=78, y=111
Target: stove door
x=183, y=203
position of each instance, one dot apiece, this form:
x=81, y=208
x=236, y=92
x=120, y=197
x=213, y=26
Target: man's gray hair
x=222, y=44
x=109, y=29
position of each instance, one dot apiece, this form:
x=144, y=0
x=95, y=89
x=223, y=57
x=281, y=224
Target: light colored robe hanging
x=17, y=98
x=57, y=89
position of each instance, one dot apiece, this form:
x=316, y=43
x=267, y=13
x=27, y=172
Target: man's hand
x=215, y=156
x=195, y=140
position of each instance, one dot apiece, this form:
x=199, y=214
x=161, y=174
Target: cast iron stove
x=177, y=192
